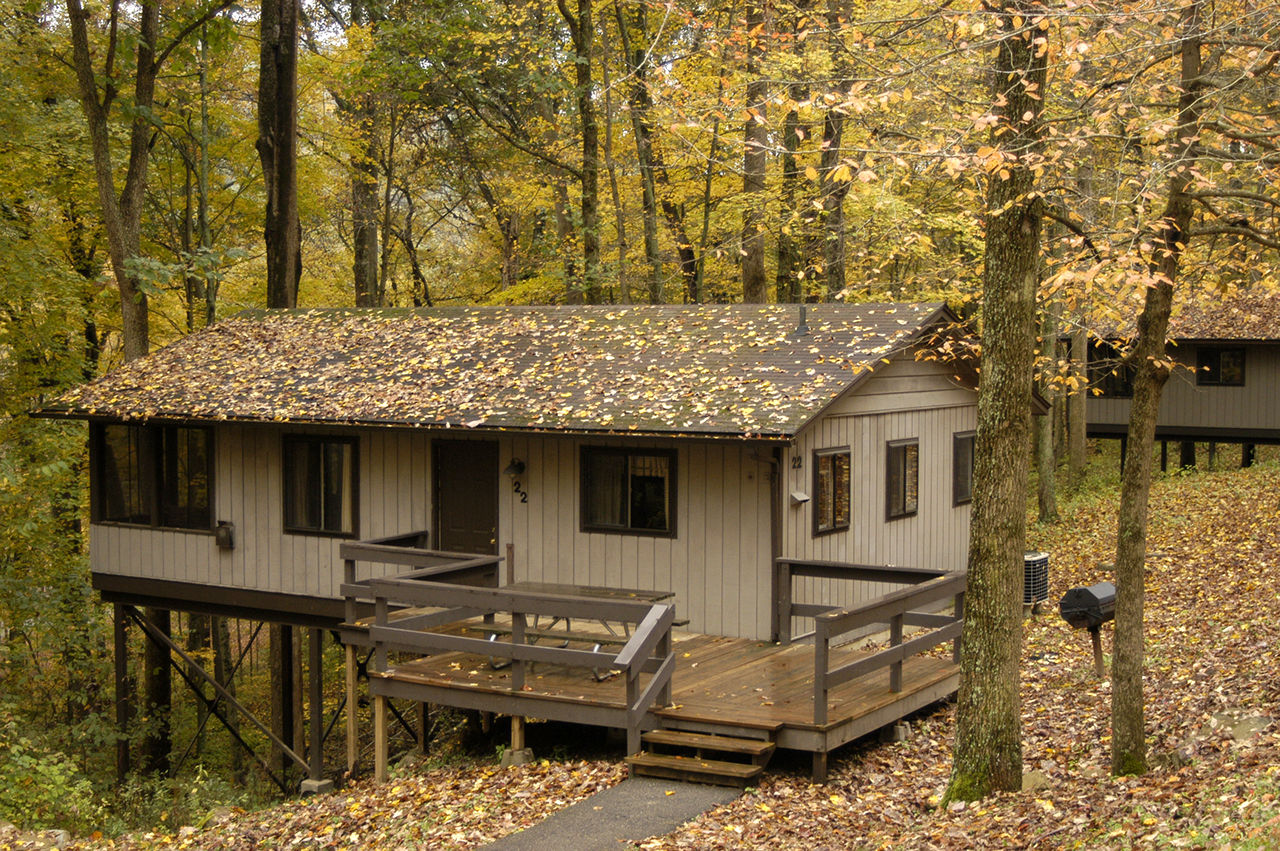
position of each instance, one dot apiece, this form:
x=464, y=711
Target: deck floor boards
x=717, y=680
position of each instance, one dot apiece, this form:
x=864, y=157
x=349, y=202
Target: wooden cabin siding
x=718, y=563
x=930, y=407
x=1187, y=405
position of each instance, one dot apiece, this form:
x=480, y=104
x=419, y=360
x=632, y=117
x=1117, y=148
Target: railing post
x=956, y=645
x=349, y=578
x=380, y=619
x=821, y=664
x=663, y=652
x=518, y=623
x=895, y=639
x=782, y=601
x=634, y=713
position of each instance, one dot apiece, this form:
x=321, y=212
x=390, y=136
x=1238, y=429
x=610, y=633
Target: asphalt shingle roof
x=702, y=369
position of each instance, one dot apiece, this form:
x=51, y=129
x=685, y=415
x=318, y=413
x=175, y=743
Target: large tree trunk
x=1077, y=424
x=639, y=104
x=1128, y=734
x=787, y=280
x=582, y=30
x=364, y=211
x=122, y=214
x=988, y=748
x=755, y=139
x=1047, y=425
x=278, y=148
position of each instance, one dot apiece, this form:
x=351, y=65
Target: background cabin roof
x=1251, y=315
x=702, y=369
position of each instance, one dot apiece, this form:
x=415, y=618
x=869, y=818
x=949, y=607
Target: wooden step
x=755, y=748
x=693, y=770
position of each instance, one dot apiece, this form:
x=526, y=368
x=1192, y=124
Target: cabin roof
x=697, y=370
x=1242, y=316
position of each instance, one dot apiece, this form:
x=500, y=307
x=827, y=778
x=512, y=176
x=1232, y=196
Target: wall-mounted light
x=799, y=498
x=515, y=468
x=224, y=534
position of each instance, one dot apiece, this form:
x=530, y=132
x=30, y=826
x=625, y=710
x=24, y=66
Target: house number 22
x=521, y=492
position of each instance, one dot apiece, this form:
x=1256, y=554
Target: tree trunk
x=988, y=748
x=619, y=210
x=755, y=139
x=582, y=31
x=639, y=104
x=158, y=683
x=790, y=259
x=1128, y=735
x=121, y=215
x=278, y=148
x=223, y=672
x=1047, y=425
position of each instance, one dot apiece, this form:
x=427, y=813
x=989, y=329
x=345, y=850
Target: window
x=962, y=467
x=153, y=475
x=831, y=489
x=1220, y=367
x=320, y=484
x=1109, y=377
x=628, y=491
x=904, y=478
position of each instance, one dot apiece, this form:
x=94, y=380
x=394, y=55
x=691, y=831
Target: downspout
x=775, y=538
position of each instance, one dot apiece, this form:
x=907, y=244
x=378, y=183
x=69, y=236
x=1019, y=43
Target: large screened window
x=628, y=491
x=1217, y=366
x=962, y=467
x=320, y=484
x=153, y=475
x=903, y=489
x=831, y=490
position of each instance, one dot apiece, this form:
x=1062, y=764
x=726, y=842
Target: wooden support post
x=315, y=676
x=1187, y=454
x=517, y=732
x=379, y=738
x=159, y=687
x=424, y=727
x=124, y=691
x=1124, y=451
x=281, y=660
x=819, y=767
x=1248, y=451
x=1213, y=455
x=1164, y=456
x=511, y=563
x=958, y=644
x=1099, y=665
x=353, y=707
x=895, y=640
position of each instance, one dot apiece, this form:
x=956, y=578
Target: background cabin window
x=904, y=478
x=154, y=475
x=625, y=491
x=1109, y=377
x=1221, y=367
x=320, y=484
x=831, y=490
x=962, y=467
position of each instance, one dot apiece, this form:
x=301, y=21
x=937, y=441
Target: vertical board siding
x=1185, y=404
x=931, y=409
x=717, y=565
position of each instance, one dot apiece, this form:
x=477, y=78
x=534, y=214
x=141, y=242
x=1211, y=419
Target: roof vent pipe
x=802, y=329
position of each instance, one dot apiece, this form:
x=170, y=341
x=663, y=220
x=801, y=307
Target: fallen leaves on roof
x=718, y=369
x=1252, y=314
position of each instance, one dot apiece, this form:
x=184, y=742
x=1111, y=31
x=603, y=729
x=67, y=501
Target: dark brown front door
x=466, y=496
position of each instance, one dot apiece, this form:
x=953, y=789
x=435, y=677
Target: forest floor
x=1213, y=716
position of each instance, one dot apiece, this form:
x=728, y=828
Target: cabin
x=755, y=484
x=1225, y=384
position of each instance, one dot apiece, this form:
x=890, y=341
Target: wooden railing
x=895, y=610
x=410, y=549
x=785, y=570
x=648, y=649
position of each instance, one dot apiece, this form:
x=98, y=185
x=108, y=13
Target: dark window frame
x=892, y=467
x=958, y=496
x=584, y=489
x=1111, y=381
x=153, y=462
x=835, y=525
x=286, y=492
x=1209, y=366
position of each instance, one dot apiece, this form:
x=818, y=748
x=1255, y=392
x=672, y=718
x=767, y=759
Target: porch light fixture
x=224, y=535
x=799, y=498
x=515, y=468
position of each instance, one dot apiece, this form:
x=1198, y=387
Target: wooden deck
x=722, y=685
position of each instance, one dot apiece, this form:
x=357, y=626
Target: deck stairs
x=694, y=757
